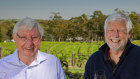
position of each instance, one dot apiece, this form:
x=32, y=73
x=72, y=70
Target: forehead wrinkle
x=28, y=32
x=116, y=23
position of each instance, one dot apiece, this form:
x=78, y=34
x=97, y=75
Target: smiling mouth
x=29, y=48
x=115, y=40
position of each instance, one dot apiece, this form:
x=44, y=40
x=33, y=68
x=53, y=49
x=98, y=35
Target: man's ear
x=42, y=38
x=130, y=32
x=14, y=37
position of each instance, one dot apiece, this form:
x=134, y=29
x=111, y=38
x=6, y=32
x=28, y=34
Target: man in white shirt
x=27, y=62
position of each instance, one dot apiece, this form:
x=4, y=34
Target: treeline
x=81, y=28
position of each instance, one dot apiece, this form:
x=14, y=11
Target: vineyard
x=72, y=55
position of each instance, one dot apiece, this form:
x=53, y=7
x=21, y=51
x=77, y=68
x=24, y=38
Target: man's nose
x=116, y=33
x=29, y=41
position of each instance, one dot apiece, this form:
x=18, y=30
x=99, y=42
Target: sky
x=42, y=9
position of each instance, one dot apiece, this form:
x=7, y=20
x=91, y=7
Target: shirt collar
x=40, y=58
x=106, y=57
x=14, y=59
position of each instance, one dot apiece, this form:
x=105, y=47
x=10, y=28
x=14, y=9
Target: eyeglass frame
x=26, y=39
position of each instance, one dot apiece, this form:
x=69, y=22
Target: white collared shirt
x=46, y=66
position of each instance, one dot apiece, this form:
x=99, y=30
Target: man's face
x=116, y=34
x=27, y=42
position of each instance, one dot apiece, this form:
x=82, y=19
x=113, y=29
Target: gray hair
x=119, y=16
x=27, y=23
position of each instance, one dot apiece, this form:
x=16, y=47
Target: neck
x=115, y=55
x=27, y=59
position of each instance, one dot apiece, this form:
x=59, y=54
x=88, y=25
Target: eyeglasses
x=25, y=39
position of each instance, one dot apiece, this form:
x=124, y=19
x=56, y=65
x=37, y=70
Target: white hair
x=119, y=16
x=28, y=23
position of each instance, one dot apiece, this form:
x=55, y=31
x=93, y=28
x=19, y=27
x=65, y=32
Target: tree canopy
x=84, y=27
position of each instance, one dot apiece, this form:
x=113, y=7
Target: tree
x=9, y=32
x=77, y=27
x=121, y=11
x=98, y=17
x=56, y=16
x=58, y=27
x=135, y=18
x=6, y=26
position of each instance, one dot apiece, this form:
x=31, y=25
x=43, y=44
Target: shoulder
x=95, y=56
x=49, y=57
x=90, y=65
x=134, y=48
x=7, y=58
x=51, y=60
x=133, y=52
x=4, y=62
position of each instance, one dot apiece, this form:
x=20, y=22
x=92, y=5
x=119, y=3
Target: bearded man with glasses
x=27, y=62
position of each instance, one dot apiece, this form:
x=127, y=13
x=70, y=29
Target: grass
x=74, y=73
